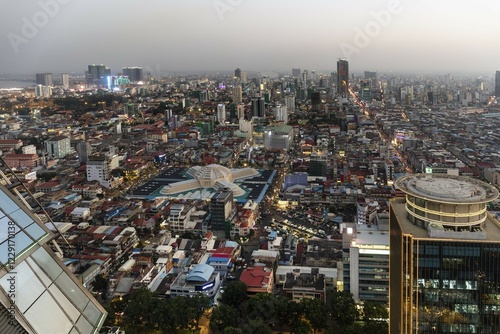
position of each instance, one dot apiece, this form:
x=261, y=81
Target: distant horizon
x=389, y=36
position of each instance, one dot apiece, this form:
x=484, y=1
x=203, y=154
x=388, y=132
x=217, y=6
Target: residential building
x=134, y=74
x=299, y=285
x=44, y=79
x=237, y=94
x=58, y=147
x=99, y=169
x=258, y=279
x=222, y=210
x=221, y=113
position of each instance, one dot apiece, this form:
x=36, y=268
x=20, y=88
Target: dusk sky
x=219, y=35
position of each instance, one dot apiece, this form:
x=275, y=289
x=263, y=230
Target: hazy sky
x=220, y=35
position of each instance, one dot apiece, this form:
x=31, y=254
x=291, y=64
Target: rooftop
x=491, y=225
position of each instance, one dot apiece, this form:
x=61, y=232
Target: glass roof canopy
x=34, y=284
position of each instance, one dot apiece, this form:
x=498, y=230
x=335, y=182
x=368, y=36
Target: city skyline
x=384, y=36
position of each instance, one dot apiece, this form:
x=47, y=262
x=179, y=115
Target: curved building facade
x=446, y=202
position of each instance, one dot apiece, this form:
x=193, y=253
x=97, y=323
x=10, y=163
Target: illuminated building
x=445, y=257
x=97, y=74
x=201, y=279
x=342, y=77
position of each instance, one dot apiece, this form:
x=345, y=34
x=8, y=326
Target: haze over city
x=219, y=35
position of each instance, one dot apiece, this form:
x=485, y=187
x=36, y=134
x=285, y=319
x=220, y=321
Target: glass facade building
x=38, y=294
x=444, y=273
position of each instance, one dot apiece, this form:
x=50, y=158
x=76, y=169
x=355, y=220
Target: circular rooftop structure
x=453, y=202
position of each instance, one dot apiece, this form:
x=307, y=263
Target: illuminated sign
x=208, y=286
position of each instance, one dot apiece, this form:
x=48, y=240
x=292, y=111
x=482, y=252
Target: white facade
x=43, y=91
x=58, y=147
x=282, y=113
x=29, y=149
x=221, y=113
x=290, y=103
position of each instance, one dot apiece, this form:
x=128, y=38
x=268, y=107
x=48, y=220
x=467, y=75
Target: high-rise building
x=97, y=74
x=497, y=84
x=240, y=111
x=258, y=107
x=343, y=77
x=134, y=74
x=44, y=79
x=38, y=292
x=444, y=256
x=43, y=91
x=65, y=80
x=83, y=149
x=58, y=147
x=237, y=94
x=282, y=113
x=223, y=210
x=290, y=103
x=237, y=73
x=221, y=113
x=370, y=75
x=315, y=101
x=296, y=72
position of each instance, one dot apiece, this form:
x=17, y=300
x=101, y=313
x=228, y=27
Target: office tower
x=65, y=80
x=38, y=293
x=221, y=113
x=343, y=77
x=237, y=94
x=296, y=72
x=497, y=84
x=43, y=91
x=315, y=101
x=134, y=74
x=222, y=210
x=290, y=103
x=44, y=79
x=366, y=92
x=237, y=73
x=282, y=113
x=370, y=75
x=444, y=256
x=258, y=107
x=97, y=74
x=305, y=78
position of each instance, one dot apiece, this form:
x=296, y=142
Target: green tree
x=100, y=283
x=343, y=307
x=261, y=306
x=256, y=326
x=222, y=317
x=316, y=312
x=355, y=328
x=139, y=310
x=375, y=316
x=302, y=327
x=231, y=330
x=235, y=294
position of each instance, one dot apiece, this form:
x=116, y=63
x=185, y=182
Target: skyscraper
x=315, y=101
x=65, y=80
x=44, y=79
x=295, y=72
x=38, y=293
x=258, y=107
x=342, y=77
x=497, y=84
x=134, y=74
x=221, y=113
x=97, y=74
x=444, y=256
x=237, y=94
